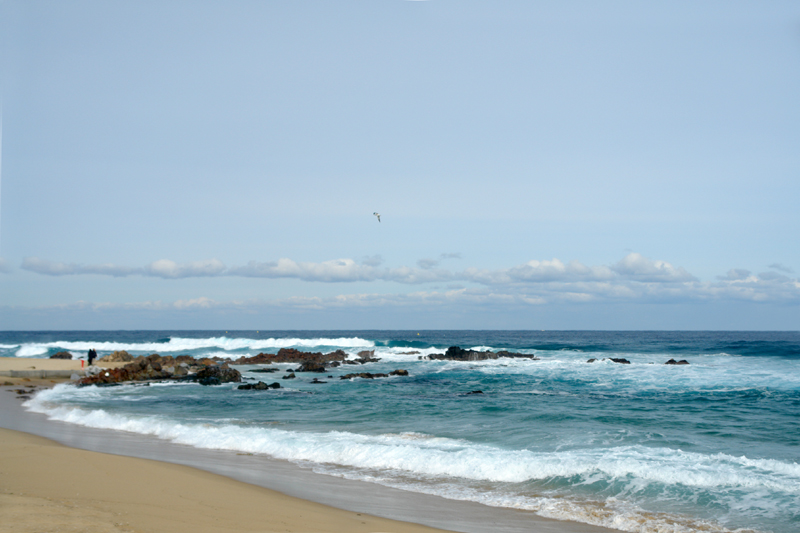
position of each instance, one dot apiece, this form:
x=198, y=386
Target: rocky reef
x=455, y=353
x=167, y=368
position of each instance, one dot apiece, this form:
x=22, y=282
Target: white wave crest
x=451, y=467
x=179, y=344
x=637, y=466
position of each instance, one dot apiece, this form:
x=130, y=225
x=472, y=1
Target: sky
x=536, y=165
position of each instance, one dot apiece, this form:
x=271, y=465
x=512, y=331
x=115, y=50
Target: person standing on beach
x=92, y=355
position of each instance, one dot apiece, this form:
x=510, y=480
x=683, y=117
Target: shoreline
x=50, y=486
x=286, y=479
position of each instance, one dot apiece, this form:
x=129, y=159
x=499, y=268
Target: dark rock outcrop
x=311, y=366
x=61, y=355
x=367, y=375
x=265, y=370
x=364, y=375
x=455, y=353
x=217, y=375
x=315, y=380
x=289, y=376
x=291, y=355
x=674, y=362
x=155, y=367
x=259, y=386
x=614, y=359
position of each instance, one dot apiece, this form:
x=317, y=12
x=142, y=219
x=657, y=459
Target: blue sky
x=537, y=165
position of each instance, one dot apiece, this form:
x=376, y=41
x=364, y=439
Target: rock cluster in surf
x=167, y=368
x=455, y=353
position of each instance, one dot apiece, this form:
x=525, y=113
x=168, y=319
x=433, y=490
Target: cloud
x=639, y=268
x=52, y=268
x=633, y=278
x=164, y=268
x=782, y=268
x=337, y=270
x=735, y=274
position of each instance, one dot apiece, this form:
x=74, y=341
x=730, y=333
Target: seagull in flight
x=377, y=215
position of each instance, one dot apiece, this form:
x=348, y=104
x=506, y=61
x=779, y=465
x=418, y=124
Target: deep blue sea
x=646, y=447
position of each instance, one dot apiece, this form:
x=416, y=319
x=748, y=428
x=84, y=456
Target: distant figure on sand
x=92, y=355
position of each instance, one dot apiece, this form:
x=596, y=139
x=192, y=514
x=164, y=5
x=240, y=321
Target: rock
x=311, y=366
x=592, y=360
x=246, y=386
x=120, y=356
x=364, y=375
x=265, y=370
x=291, y=355
x=455, y=353
x=260, y=386
x=475, y=392
x=315, y=380
x=398, y=372
x=620, y=361
x=275, y=385
x=674, y=362
x=412, y=352
x=289, y=376
x=214, y=375
x=61, y=355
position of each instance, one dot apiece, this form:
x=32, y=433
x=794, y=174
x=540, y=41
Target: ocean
x=645, y=447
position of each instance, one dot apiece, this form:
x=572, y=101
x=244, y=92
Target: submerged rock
x=61, y=355
x=674, y=362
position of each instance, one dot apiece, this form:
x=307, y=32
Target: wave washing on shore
x=642, y=447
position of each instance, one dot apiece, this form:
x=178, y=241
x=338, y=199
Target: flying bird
x=377, y=215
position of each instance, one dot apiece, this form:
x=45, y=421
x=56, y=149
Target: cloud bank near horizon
x=633, y=278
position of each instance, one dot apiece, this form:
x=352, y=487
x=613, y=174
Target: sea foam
x=454, y=468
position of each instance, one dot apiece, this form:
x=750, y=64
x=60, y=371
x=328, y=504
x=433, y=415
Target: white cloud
x=164, y=268
x=639, y=268
x=634, y=278
x=53, y=268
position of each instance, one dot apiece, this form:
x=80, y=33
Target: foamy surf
x=459, y=469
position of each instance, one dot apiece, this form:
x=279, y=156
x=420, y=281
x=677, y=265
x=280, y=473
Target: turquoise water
x=646, y=447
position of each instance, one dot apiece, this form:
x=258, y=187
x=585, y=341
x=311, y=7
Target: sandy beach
x=50, y=487
x=46, y=486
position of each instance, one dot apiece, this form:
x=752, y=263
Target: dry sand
x=46, y=487
x=8, y=364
